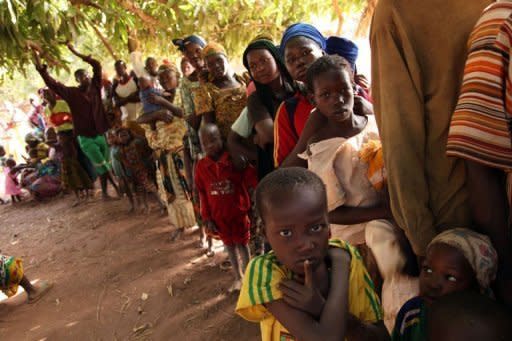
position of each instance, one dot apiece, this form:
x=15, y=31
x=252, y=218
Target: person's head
x=301, y=45
x=145, y=83
x=112, y=137
x=330, y=86
x=211, y=140
x=82, y=78
x=186, y=67
x=49, y=97
x=50, y=136
x=292, y=204
x=216, y=60
x=168, y=76
x=10, y=162
x=121, y=69
x=457, y=260
x=344, y=48
x=124, y=136
x=151, y=66
x=2, y=151
x=467, y=316
x=264, y=62
x=33, y=155
x=192, y=47
x=31, y=140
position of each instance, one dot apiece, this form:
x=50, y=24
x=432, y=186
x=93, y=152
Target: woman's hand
x=305, y=297
x=156, y=99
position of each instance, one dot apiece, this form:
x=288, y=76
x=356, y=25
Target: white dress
x=130, y=111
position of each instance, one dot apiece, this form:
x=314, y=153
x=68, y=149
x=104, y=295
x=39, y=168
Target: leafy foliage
x=102, y=27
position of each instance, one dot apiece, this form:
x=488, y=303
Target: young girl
x=225, y=199
x=12, y=276
x=12, y=186
x=456, y=260
x=137, y=160
x=346, y=153
x=308, y=287
x=222, y=99
x=117, y=167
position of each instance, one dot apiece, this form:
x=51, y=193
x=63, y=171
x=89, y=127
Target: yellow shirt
x=260, y=286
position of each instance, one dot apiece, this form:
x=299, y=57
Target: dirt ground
x=117, y=277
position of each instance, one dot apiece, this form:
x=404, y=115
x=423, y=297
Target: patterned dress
x=11, y=273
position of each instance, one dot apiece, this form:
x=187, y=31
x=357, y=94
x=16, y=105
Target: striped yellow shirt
x=260, y=286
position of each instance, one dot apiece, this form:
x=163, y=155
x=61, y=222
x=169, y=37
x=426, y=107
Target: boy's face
x=168, y=80
x=124, y=136
x=152, y=66
x=299, y=54
x=217, y=65
x=297, y=228
x=211, y=141
x=445, y=270
x=334, y=95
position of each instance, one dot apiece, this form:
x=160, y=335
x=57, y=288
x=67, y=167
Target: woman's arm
x=332, y=324
x=345, y=215
x=240, y=152
x=176, y=111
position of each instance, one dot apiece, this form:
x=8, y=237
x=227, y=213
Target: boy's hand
x=305, y=297
x=339, y=256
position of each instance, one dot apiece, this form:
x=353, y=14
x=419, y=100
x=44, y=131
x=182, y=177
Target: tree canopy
x=102, y=27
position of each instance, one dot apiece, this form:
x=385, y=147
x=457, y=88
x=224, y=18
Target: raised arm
x=56, y=86
x=96, y=65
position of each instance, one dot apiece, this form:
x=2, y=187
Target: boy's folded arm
x=332, y=324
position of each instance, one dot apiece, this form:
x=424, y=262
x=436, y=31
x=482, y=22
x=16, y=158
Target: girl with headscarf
x=273, y=85
x=165, y=133
x=456, y=260
x=301, y=45
x=223, y=97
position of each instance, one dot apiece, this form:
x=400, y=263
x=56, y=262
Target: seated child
x=468, y=316
x=12, y=276
x=137, y=160
x=224, y=194
x=456, y=260
x=12, y=185
x=308, y=287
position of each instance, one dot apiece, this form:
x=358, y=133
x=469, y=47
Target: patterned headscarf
x=302, y=30
x=476, y=248
x=213, y=48
x=193, y=39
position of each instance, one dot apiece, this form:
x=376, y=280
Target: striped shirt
x=260, y=286
x=480, y=126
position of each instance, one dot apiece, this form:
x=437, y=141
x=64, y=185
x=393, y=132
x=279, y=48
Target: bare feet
x=176, y=234
x=210, y=253
x=40, y=288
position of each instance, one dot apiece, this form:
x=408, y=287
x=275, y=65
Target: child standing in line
x=224, y=194
x=137, y=160
x=308, y=287
x=457, y=260
x=12, y=186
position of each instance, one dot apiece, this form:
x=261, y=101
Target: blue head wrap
x=343, y=47
x=302, y=30
x=181, y=43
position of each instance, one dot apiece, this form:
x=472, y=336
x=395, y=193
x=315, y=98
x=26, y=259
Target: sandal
x=41, y=289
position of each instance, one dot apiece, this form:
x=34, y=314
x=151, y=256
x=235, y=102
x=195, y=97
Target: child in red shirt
x=225, y=199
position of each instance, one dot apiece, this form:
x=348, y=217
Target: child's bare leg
x=145, y=201
x=245, y=255
x=13, y=199
x=233, y=258
x=35, y=291
x=129, y=193
x=77, y=198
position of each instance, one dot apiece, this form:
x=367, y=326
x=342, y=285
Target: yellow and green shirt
x=260, y=286
x=60, y=116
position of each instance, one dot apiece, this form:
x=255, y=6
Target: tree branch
x=132, y=7
x=366, y=18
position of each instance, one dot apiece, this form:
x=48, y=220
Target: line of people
x=366, y=221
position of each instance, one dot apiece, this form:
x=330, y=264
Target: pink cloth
x=12, y=186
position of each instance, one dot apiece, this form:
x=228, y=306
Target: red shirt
x=287, y=134
x=223, y=190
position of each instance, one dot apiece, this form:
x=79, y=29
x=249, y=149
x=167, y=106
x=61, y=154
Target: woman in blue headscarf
x=296, y=121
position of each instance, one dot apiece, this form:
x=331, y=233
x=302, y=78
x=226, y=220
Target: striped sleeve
x=363, y=301
x=260, y=286
x=479, y=130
